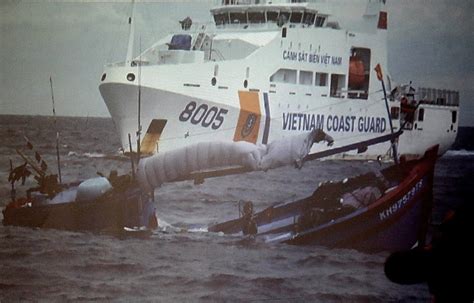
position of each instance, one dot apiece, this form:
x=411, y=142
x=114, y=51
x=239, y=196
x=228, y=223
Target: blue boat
x=372, y=212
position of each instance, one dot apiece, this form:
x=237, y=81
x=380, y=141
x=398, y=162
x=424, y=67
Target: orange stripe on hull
x=149, y=143
x=248, y=124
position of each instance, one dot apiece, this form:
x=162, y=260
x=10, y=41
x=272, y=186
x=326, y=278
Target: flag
x=378, y=70
x=37, y=156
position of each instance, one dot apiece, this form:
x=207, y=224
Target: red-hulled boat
x=370, y=212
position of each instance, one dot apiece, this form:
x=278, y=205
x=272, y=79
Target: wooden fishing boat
x=112, y=205
x=115, y=211
x=393, y=211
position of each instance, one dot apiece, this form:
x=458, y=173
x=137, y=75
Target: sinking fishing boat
x=109, y=205
x=372, y=212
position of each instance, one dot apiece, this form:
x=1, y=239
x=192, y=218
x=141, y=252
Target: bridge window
x=337, y=85
x=284, y=17
x=238, y=18
x=306, y=77
x=180, y=42
x=320, y=21
x=272, y=16
x=308, y=18
x=296, y=17
x=321, y=79
x=284, y=75
x=256, y=17
x=221, y=19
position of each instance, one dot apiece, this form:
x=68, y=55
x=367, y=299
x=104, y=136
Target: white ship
x=263, y=70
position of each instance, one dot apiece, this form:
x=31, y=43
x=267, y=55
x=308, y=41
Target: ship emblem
x=249, y=124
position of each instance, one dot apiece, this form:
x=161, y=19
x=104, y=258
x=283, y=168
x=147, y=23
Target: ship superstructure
x=263, y=70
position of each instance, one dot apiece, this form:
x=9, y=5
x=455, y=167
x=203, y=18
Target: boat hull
x=111, y=213
x=396, y=221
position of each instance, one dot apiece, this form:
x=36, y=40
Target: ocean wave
x=86, y=155
x=459, y=153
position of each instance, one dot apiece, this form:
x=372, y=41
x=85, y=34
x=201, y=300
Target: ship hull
x=260, y=117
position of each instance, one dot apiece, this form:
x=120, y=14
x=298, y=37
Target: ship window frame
x=284, y=75
x=337, y=85
x=322, y=20
x=321, y=81
x=304, y=80
x=311, y=20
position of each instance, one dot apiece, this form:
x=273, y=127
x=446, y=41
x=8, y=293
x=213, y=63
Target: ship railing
x=249, y=2
x=115, y=64
x=123, y=63
x=198, y=27
x=438, y=96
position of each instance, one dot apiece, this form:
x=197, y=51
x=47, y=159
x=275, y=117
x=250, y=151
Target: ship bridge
x=239, y=29
x=269, y=14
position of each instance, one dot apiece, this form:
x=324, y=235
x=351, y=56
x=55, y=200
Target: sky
x=429, y=42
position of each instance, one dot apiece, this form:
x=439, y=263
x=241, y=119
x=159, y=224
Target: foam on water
x=459, y=153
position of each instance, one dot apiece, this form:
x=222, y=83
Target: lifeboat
x=356, y=72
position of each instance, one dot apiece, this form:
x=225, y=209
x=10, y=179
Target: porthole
x=130, y=77
x=104, y=75
x=213, y=81
x=246, y=83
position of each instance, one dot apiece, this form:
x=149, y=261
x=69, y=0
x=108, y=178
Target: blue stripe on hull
x=266, y=130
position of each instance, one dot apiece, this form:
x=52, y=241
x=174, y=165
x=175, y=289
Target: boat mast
x=139, y=130
x=131, y=35
x=57, y=132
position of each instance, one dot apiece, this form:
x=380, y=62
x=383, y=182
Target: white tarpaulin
x=179, y=163
x=291, y=150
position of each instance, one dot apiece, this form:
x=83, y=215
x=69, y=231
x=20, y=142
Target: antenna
x=131, y=35
x=139, y=129
x=57, y=132
x=131, y=155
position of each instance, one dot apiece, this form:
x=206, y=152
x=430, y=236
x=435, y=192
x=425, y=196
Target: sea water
x=181, y=261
